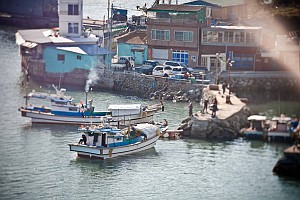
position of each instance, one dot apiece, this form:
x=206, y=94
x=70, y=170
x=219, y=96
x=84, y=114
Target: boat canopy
x=125, y=109
x=257, y=118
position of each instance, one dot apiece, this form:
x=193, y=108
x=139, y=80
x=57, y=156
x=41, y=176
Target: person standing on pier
x=224, y=85
x=214, y=108
x=205, y=104
x=190, y=108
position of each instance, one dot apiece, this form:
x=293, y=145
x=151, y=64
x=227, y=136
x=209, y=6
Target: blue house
x=65, y=54
x=133, y=44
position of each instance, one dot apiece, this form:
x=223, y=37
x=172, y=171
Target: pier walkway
x=225, y=110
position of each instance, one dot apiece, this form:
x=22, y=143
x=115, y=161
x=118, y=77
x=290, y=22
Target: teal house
x=66, y=54
x=133, y=44
x=66, y=59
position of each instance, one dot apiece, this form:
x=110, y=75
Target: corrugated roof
x=35, y=35
x=221, y=3
x=172, y=7
x=86, y=50
x=72, y=49
x=73, y=39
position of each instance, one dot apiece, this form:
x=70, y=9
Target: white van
x=123, y=59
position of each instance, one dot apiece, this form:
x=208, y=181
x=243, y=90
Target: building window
x=180, y=56
x=203, y=61
x=233, y=37
x=160, y=35
x=73, y=28
x=243, y=61
x=247, y=37
x=209, y=36
x=237, y=37
x=204, y=38
x=226, y=37
x=78, y=57
x=184, y=36
x=230, y=37
x=242, y=39
x=73, y=9
x=61, y=57
x=220, y=36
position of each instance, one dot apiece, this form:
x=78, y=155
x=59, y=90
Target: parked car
x=161, y=70
x=147, y=67
x=178, y=64
x=179, y=70
x=124, y=59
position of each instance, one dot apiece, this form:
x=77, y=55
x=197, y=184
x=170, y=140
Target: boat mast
x=109, y=29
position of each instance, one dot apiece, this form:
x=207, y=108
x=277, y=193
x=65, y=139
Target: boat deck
x=293, y=149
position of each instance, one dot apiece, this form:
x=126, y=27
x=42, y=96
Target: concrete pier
x=231, y=116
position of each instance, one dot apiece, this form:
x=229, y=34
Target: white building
x=70, y=18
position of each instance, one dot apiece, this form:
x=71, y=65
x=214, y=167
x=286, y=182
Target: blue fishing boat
x=62, y=110
x=105, y=141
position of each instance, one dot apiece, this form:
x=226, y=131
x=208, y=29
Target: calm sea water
x=36, y=163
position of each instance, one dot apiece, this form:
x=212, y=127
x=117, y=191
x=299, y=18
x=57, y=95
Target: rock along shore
x=231, y=116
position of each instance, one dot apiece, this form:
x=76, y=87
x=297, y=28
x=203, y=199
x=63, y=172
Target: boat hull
x=111, y=152
x=48, y=118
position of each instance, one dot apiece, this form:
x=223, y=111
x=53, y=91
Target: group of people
x=214, y=107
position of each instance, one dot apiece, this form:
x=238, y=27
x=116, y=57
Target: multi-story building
x=238, y=43
x=224, y=10
x=173, y=32
x=64, y=55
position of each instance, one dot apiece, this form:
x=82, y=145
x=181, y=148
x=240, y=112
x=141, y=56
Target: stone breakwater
x=147, y=86
x=231, y=117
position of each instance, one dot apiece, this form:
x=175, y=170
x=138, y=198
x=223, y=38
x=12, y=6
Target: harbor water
x=36, y=163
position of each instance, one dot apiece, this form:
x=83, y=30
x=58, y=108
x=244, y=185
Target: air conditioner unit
x=193, y=58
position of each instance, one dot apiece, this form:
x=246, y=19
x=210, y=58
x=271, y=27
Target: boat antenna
x=86, y=96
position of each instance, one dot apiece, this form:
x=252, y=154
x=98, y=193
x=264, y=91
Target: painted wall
x=124, y=49
x=53, y=65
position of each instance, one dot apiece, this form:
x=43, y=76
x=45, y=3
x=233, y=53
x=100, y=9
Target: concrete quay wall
x=262, y=80
x=147, y=86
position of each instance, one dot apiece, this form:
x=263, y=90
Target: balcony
x=177, y=22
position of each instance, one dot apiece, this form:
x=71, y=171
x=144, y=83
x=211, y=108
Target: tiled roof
x=135, y=37
x=172, y=7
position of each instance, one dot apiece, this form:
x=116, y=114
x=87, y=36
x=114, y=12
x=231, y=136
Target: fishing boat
x=257, y=129
x=62, y=110
x=276, y=128
x=106, y=141
x=279, y=128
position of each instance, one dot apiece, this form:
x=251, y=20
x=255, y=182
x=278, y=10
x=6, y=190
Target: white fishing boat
x=62, y=110
x=269, y=129
x=105, y=141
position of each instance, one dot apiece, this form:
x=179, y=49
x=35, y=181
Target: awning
x=138, y=49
